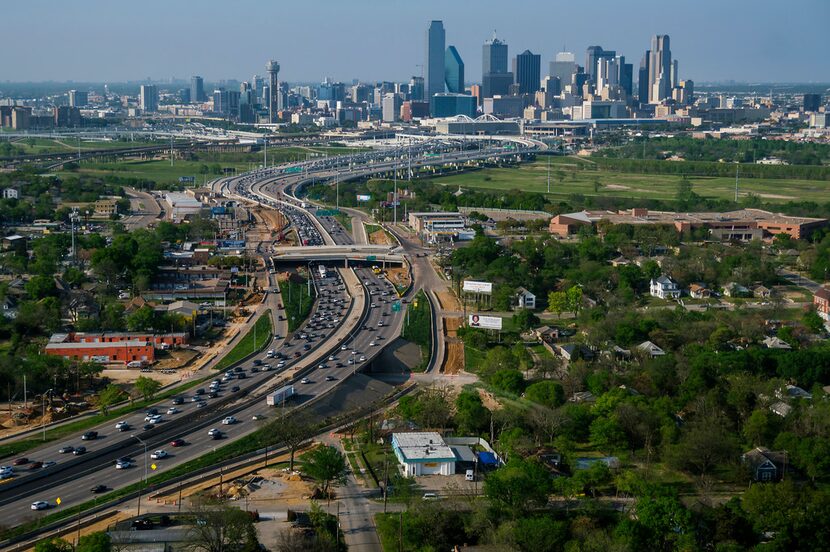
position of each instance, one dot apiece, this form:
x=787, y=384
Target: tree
x=704, y=444
x=142, y=319
x=98, y=541
x=518, y=487
x=558, y=302
x=546, y=393
x=574, y=299
x=148, y=387
x=525, y=319
x=326, y=464
x=508, y=380
x=292, y=431
x=108, y=397
x=470, y=414
x=53, y=545
x=220, y=527
x=812, y=321
x=607, y=435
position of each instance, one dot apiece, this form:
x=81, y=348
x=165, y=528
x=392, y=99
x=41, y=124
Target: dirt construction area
x=454, y=359
x=448, y=300
x=380, y=237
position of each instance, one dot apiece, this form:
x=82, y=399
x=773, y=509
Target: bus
x=322, y=270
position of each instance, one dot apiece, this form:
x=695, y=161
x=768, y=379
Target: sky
x=116, y=41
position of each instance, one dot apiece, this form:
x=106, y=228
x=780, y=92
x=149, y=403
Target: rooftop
x=422, y=446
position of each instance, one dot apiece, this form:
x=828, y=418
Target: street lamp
x=144, y=482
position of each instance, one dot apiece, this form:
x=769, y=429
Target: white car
x=172, y=410
x=331, y=357
x=152, y=418
x=122, y=464
x=372, y=344
x=213, y=432
x=230, y=420
x=40, y=505
x=362, y=359
x=159, y=454
x=6, y=472
x=305, y=381
x=121, y=424
x=343, y=347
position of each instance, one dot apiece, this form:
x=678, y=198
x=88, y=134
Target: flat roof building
x=423, y=453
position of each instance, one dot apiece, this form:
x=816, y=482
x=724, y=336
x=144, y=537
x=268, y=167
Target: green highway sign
x=396, y=306
x=371, y=258
x=290, y=170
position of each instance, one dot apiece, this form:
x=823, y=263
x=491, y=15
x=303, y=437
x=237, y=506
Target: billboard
x=487, y=322
x=362, y=197
x=478, y=287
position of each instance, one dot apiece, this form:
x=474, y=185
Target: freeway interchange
x=351, y=321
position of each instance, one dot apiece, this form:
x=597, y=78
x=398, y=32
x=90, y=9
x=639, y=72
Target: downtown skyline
x=393, y=44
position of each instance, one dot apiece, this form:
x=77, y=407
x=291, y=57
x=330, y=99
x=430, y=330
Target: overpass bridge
x=348, y=255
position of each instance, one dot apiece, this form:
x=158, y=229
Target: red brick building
x=112, y=347
x=821, y=300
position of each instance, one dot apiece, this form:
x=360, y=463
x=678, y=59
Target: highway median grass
x=417, y=327
x=298, y=302
x=261, y=331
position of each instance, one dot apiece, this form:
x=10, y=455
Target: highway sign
x=58, y=501
x=291, y=170
x=481, y=321
x=363, y=197
x=396, y=306
x=153, y=467
x=371, y=257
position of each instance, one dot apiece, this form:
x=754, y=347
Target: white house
x=423, y=453
x=11, y=193
x=650, y=349
x=525, y=299
x=664, y=288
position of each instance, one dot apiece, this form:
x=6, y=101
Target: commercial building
x=495, y=78
x=434, y=67
x=660, y=69
x=181, y=205
x=453, y=71
x=812, y=102
x=148, y=99
x=197, y=89
x=563, y=67
x=740, y=225
x=504, y=106
x=391, y=107
x=482, y=125
x=66, y=116
x=527, y=68
x=440, y=226
x=78, y=98
x=112, y=347
x=821, y=301
x=423, y=453
x=450, y=105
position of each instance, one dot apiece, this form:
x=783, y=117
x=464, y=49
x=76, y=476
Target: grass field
x=570, y=175
x=158, y=171
x=246, y=345
x=68, y=143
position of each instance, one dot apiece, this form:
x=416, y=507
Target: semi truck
x=280, y=395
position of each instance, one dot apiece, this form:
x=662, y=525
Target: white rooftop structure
x=423, y=453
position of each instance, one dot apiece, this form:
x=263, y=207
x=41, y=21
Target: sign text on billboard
x=486, y=322
x=473, y=286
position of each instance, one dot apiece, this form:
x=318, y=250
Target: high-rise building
x=273, y=100
x=495, y=78
x=148, y=98
x=416, y=89
x=527, y=68
x=659, y=69
x=197, y=89
x=626, y=76
x=391, y=107
x=453, y=71
x=812, y=102
x=226, y=102
x=592, y=57
x=563, y=67
x=450, y=105
x=66, y=116
x=436, y=44
x=643, y=85
x=78, y=98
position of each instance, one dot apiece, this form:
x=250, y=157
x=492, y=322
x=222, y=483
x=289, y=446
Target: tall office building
x=607, y=74
x=453, y=71
x=626, y=76
x=197, y=89
x=527, y=69
x=273, y=100
x=436, y=44
x=226, y=102
x=659, y=69
x=811, y=102
x=495, y=78
x=592, y=57
x=563, y=67
x=642, y=78
x=78, y=98
x=390, y=107
x=416, y=89
x=148, y=98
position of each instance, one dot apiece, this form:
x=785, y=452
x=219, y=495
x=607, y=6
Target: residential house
x=525, y=299
x=699, y=291
x=761, y=292
x=9, y=307
x=575, y=351
x=664, y=288
x=649, y=348
x=781, y=408
x=11, y=193
x=793, y=392
x=765, y=464
x=583, y=397
x=775, y=342
x=620, y=261
x=734, y=289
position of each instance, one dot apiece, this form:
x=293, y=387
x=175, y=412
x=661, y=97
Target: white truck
x=281, y=395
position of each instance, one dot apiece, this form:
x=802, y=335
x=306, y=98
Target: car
x=153, y=412
x=153, y=418
x=159, y=454
x=48, y=464
x=213, y=431
x=257, y=417
x=40, y=505
x=235, y=388
x=372, y=344
x=230, y=420
x=6, y=472
x=177, y=443
x=329, y=378
x=122, y=464
x=213, y=395
x=98, y=489
x=255, y=370
x=200, y=391
x=20, y=461
x=173, y=410
x=331, y=357
x=195, y=398
x=121, y=424
x=305, y=381
x=343, y=347
x=429, y=496
x=201, y=404
x=178, y=400
x=148, y=427
x=89, y=436
x=79, y=451
x=216, y=436
x=306, y=347
x=142, y=524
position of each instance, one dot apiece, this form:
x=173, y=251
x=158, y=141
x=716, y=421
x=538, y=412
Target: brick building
x=821, y=300
x=113, y=347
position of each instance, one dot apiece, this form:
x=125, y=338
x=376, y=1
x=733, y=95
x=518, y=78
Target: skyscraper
x=563, y=67
x=660, y=69
x=436, y=44
x=643, y=86
x=148, y=98
x=416, y=89
x=527, y=68
x=78, y=98
x=626, y=76
x=592, y=56
x=495, y=79
x=811, y=102
x=197, y=89
x=390, y=107
x=453, y=71
x=273, y=69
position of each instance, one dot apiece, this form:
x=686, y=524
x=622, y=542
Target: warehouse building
x=423, y=453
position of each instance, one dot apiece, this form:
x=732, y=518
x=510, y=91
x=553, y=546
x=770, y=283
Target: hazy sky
x=115, y=40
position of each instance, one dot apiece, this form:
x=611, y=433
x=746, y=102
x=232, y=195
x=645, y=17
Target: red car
x=20, y=461
x=177, y=443
x=36, y=465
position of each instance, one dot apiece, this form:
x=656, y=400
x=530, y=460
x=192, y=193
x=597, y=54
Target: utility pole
x=395, y=196
x=737, y=166
x=171, y=149
x=548, y=173
x=265, y=154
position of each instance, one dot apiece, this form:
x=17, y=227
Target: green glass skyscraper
x=453, y=71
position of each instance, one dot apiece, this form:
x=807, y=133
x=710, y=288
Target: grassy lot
x=417, y=327
x=246, y=345
x=69, y=143
x=159, y=171
x=570, y=175
x=345, y=220
x=297, y=302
